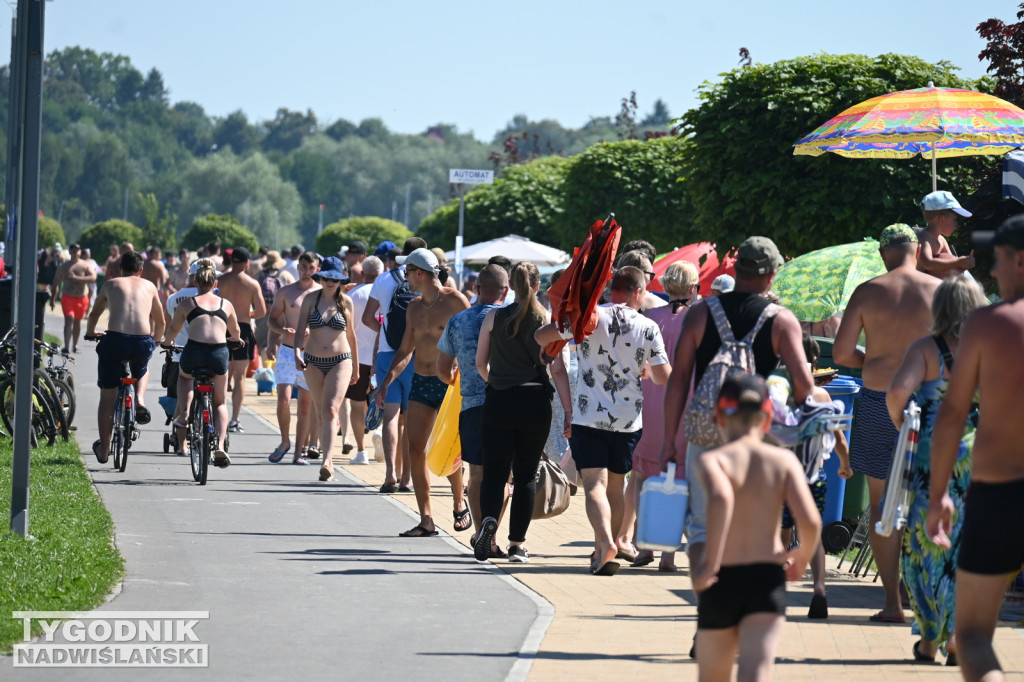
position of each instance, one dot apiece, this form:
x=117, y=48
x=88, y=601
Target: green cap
x=897, y=233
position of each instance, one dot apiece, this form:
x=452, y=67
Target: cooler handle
x=669, y=485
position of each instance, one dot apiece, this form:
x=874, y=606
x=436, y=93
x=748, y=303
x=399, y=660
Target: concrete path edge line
x=545, y=610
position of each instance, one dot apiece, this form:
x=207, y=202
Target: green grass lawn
x=72, y=564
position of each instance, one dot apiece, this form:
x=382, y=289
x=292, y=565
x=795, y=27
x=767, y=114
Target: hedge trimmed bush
x=223, y=228
x=100, y=236
x=368, y=229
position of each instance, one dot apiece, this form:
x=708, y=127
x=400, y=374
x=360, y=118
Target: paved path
x=300, y=577
x=301, y=548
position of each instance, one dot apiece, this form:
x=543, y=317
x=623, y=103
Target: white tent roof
x=516, y=248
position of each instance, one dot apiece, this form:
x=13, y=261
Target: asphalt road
x=299, y=577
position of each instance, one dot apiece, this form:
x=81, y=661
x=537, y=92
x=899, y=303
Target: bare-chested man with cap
x=284, y=318
x=425, y=320
x=246, y=296
x=988, y=364
x=136, y=320
x=155, y=271
x=893, y=310
x=75, y=276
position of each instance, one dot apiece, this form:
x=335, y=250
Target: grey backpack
x=699, y=419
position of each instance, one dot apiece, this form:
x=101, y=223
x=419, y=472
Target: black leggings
x=515, y=425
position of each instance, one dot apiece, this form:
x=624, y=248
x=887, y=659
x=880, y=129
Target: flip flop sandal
x=279, y=454
x=326, y=474
x=96, y=451
x=463, y=520
x=301, y=461
x=642, y=560
x=922, y=658
x=418, y=532
x=607, y=568
x=389, y=488
x=313, y=453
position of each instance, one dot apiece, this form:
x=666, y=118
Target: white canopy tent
x=516, y=248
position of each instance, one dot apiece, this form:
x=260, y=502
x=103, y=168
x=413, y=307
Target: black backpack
x=394, y=324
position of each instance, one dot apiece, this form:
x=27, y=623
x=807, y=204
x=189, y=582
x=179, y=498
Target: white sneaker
x=235, y=427
x=378, y=447
x=359, y=458
x=221, y=459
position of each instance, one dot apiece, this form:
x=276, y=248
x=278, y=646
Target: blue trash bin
x=845, y=390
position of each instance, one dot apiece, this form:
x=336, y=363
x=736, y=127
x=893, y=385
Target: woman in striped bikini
x=328, y=365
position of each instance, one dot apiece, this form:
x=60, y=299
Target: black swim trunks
x=245, y=352
x=742, y=591
x=992, y=538
x=428, y=390
x=873, y=436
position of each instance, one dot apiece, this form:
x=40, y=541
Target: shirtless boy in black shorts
x=741, y=585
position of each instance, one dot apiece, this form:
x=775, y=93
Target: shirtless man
x=247, y=298
x=284, y=317
x=893, y=310
x=992, y=539
x=135, y=322
x=424, y=324
x=741, y=585
x=941, y=211
x=153, y=270
x=75, y=275
x=112, y=268
x=354, y=257
x=177, y=277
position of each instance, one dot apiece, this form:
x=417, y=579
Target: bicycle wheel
x=55, y=411
x=207, y=445
x=193, y=435
x=127, y=425
x=7, y=412
x=66, y=398
x=118, y=436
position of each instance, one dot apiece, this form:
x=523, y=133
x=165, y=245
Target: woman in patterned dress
x=929, y=571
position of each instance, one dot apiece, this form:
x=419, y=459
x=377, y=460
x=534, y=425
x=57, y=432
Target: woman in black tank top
x=211, y=321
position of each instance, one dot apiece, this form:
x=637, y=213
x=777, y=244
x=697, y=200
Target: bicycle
x=200, y=434
x=48, y=418
x=62, y=378
x=125, y=430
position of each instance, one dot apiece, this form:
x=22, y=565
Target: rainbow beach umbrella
x=935, y=122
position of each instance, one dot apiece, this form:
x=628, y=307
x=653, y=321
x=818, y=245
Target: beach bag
x=270, y=284
x=394, y=328
x=699, y=419
x=552, y=490
x=444, y=447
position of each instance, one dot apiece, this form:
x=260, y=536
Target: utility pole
x=408, y=194
x=320, y=225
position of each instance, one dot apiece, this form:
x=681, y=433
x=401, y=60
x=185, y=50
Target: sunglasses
x=329, y=280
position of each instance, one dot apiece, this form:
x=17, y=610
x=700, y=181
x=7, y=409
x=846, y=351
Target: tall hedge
x=100, y=236
x=50, y=232
x=222, y=228
x=368, y=229
x=745, y=180
x=637, y=180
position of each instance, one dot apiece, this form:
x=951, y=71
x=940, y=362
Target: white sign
x=458, y=255
x=470, y=177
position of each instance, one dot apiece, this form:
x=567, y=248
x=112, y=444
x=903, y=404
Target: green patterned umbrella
x=817, y=285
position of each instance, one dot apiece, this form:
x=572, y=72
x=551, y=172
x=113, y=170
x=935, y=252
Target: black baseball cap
x=394, y=254
x=742, y=392
x=1010, y=233
x=357, y=248
x=240, y=254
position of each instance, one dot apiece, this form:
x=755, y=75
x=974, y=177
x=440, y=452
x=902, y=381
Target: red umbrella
x=575, y=295
x=704, y=256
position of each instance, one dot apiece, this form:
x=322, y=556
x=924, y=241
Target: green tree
x=525, y=200
x=223, y=228
x=50, y=232
x=234, y=131
x=636, y=180
x=100, y=236
x=659, y=115
x=249, y=187
x=157, y=231
x=368, y=229
x=744, y=179
x=286, y=132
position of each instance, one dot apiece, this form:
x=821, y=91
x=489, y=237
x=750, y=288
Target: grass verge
x=72, y=564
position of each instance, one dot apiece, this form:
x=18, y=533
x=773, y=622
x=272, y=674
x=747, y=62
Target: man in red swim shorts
x=75, y=275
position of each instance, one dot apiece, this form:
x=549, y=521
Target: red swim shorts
x=74, y=306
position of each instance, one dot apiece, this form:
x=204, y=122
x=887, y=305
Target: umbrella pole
x=934, y=181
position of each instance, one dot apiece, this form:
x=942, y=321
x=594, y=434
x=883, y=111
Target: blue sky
x=476, y=65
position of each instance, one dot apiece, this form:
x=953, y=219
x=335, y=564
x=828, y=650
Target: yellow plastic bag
x=444, y=448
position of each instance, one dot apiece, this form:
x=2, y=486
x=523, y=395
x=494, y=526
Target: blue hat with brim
x=332, y=268
x=382, y=249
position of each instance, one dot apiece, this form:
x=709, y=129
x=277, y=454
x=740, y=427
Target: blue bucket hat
x=332, y=268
